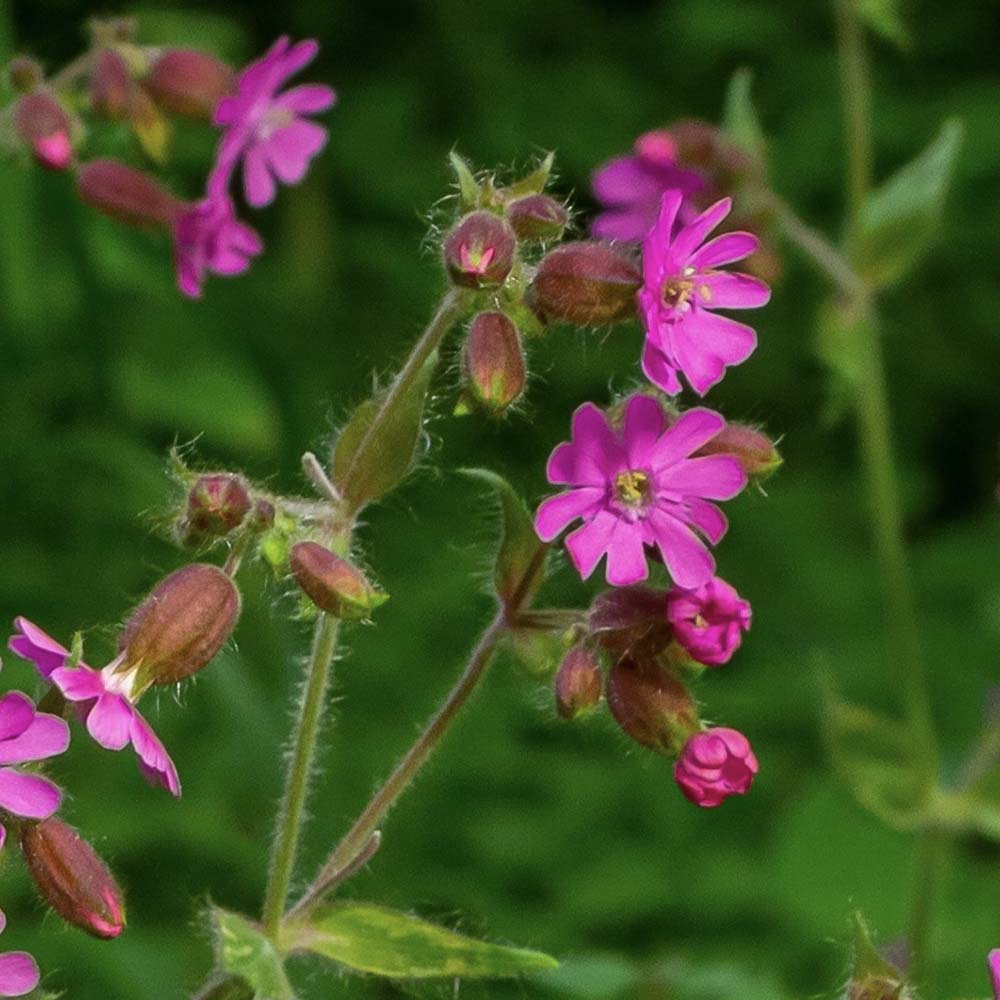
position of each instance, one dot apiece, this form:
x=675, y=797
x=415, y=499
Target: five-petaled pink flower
x=105, y=698
x=708, y=621
x=994, y=964
x=27, y=735
x=714, y=765
x=19, y=972
x=630, y=188
x=640, y=487
x=265, y=129
x=682, y=287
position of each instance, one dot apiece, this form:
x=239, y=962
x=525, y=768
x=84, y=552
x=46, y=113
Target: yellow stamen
x=632, y=486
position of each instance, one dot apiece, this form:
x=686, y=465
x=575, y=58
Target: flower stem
x=307, y=728
x=360, y=834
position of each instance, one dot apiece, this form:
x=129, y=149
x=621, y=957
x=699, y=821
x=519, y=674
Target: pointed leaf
x=521, y=558
x=245, y=953
x=900, y=219
x=468, y=186
x=739, y=116
x=885, y=18
x=389, y=943
x=376, y=450
x=534, y=182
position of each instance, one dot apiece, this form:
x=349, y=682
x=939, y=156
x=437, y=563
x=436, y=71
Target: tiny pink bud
x=537, y=217
x=72, y=879
x=186, y=619
x=44, y=126
x=657, y=146
x=715, y=764
x=586, y=283
x=217, y=504
x=54, y=151
x=578, y=682
x=24, y=74
x=333, y=584
x=651, y=705
x=754, y=449
x=479, y=251
x=630, y=621
x=125, y=194
x=110, y=84
x=188, y=82
x=708, y=621
x=494, y=361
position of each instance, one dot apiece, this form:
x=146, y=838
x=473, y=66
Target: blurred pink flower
x=18, y=970
x=993, y=961
x=682, y=286
x=714, y=765
x=640, y=487
x=709, y=621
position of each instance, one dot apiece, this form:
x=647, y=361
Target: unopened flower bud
x=333, y=584
x=630, y=621
x=651, y=705
x=72, y=879
x=494, y=361
x=537, y=217
x=479, y=251
x=110, y=84
x=586, y=283
x=578, y=682
x=708, y=621
x=24, y=74
x=262, y=516
x=754, y=449
x=125, y=194
x=217, y=504
x=45, y=127
x=186, y=619
x=715, y=764
x=189, y=82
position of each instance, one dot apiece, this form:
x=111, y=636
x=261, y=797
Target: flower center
x=679, y=289
x=273, y=120
x=632, y=487
x=475, y=259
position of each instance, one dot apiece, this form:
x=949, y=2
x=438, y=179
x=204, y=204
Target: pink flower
x=993, y=960
x=209, y=237
x=681, y=289
x=709, y=621
x=18, y=970
x=714, y=765
x=106, y=699
x=630, y=187
x=265, y=129
x=27, y=735
x=638, y=487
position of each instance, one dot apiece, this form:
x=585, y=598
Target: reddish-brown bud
x=110, y=84
x=188, y=82
x=24, y=74
x=186, y=619
x=630, y=621
x=217, y=504
x=494, y=361
x=126, y=195
x=651, y=705
x=755, y=450
x=578, y=682
x=537, y=217
x=333, y=584
x=45, y=127
x=479, y=251
x=72, y=879
x=586, y=283
x=262, y=517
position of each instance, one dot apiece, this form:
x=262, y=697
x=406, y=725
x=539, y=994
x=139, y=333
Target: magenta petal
x=298, y=56
x=689, y=563
x=657, y=249
x=154, y=761
x=993, y=960
x=691, y=431
x=290, y=149
x=708, y=519
x=732, y=290
x=28, y=795
x=705, y=343
x=715, y=477
x=45, y=737
x=625, y=181
x=590, y=541
x=558, y=512
x=627, y=224
x=31, y=643
x=724, y=249
x=3, y=840
x=570, y=464
x=644, y=423
x=658, y=369
x=17, y=711
x=78, y=683
x=19, y=974
x=593, y=435
x=258, y=184
x=694, y=234
x=110, y=720
x=307, y=99
x=626, y=556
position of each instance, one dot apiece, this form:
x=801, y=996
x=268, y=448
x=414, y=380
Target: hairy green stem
x=307, y=729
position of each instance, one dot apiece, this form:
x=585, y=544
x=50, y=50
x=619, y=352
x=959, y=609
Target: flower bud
x=754, y=449
x=494, y=361
x=709, y=621
x=186, y=619
x=262, y=516
x=878, y=988
x=651, y=705
x=333, y=584
x=45, y=127
x=715, y=764
x=217, y=504
x=72, y=879
x=126, y=195
x=630, y=621
x=586, y=283
x=537, y=217
x=578, y=682
x=24, y=74
x=110, y=84
x=479, y=251
x=188, y=82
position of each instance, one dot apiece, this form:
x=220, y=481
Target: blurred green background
x=524, y=829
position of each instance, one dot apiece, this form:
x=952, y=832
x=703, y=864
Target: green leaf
x=882, y=763
x=225, y=987
x=389, y=943
x=369, y=460
x=900, y=219
x=532, y=183
x=521, y=558
x=885, y=19
x=739, y=116
x=245, y=953
x=468, y=186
